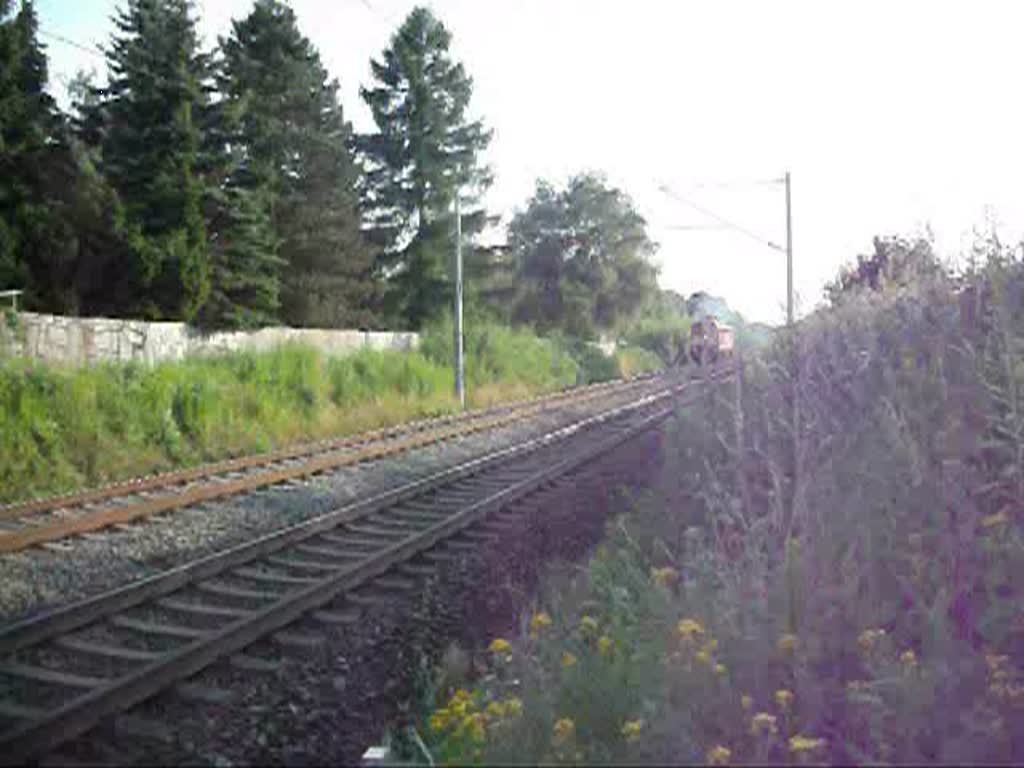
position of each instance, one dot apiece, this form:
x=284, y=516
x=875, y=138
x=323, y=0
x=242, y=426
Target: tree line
x=226, y=187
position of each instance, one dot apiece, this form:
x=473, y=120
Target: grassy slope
x=64, y=428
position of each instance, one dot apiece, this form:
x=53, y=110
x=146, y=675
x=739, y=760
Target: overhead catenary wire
x=726, y=223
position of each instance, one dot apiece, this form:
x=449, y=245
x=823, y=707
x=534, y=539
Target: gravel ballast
x=38, y=579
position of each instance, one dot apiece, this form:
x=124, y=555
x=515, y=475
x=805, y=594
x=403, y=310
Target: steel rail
x=44, y=733
x=14, y=541
x=144, y=483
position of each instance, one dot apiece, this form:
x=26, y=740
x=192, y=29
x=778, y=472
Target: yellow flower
x=908, y=658
x=473, y=727
x=710, y=646
x=514, y=706
x=720, y=670
x=783, y=698
x=539, y=623
x=496, y=710
x=631, y=730
x=564, y=730
x=588, y=626
x=703, y=657
x=787, y=644
x=746, y=702
x=568, y=660
x=996, y=520
x=762, y=723
x=869, y=637
x=604, y=646
x=500, y=645
x=689, y=628
x=718, y=755
x=799, y=744
x=665, y=577
x=439, y=720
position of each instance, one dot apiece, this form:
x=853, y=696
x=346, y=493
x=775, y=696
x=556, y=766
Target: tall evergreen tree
x=29, y=124
x=425, y=148
x=149, y=121
x=297, y=156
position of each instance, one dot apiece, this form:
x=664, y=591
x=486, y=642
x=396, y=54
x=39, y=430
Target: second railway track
x=63, y=672
x=49, y=520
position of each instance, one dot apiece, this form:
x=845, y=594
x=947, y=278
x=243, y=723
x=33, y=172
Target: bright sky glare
x=891, y=117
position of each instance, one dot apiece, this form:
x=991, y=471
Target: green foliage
x=496, y=353
x=150, y=119
x=581, y=258
x=63, y=428
x=424, y=149
x=292, y=140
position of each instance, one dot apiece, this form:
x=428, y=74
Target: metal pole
x=460, y=370
x=789, y=257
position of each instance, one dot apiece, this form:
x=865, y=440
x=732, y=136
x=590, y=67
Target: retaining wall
x=89, y=340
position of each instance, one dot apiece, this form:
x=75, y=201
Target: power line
x=73, y=44
x=721, y=219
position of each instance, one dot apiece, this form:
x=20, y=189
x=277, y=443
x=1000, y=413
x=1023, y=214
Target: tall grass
x=848, y=591
x=63, y=428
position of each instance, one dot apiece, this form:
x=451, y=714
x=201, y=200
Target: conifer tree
x=425, y=148
x=150, y=117
x=297, y=157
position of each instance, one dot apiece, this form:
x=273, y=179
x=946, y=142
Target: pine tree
x=29, y=123
x=425, y=148
x=297, y=156
x=149, y=119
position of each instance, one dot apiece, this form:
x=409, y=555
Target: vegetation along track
x=48, y=520
x=63, y=672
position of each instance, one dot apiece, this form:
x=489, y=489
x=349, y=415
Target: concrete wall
x=88, y=340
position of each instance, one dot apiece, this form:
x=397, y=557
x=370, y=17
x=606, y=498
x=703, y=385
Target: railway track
x=64, y=672
x=47, y=521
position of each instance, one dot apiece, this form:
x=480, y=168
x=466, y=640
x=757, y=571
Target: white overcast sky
x=891, y=116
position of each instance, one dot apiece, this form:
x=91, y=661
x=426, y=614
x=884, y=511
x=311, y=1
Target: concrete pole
x=460, y=369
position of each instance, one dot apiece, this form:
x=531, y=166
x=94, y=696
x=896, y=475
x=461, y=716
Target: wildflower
x=473, y=727
x=798, y=744
x=787, y=644
x=689, y=628
x=908, y=658
x=703, y=657
x=631, y=730
x=461, y=703
x=539, y=623
x=746, y=702
x=564, y=730
x=710, y=646
x=720, y=670
x=718, y=755
x=869, y=638
x=994, y=521
x=439, y=720
x=500, y=645
x=588, y=626
x=568, y=660
x=495, y=710
x=604, y=646
x=762, y=723
x=513, y=707
x=783, y=698
x=665, y=577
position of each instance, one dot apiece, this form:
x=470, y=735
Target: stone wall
x=89, y=340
